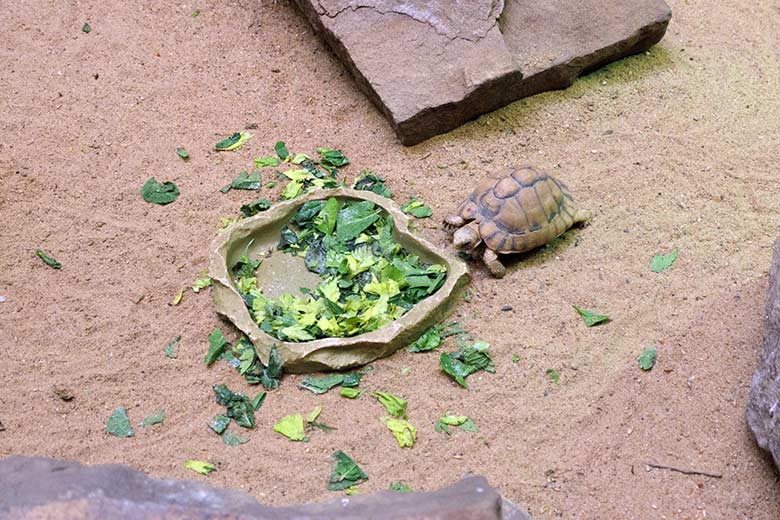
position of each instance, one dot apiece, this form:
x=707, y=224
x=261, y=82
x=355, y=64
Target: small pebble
x=506, y=308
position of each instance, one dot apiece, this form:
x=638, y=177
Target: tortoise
x=513, y=212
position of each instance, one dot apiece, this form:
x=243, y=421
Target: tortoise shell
x=521, y=210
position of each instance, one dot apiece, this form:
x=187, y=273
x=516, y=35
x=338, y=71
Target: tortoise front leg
x=493, y=264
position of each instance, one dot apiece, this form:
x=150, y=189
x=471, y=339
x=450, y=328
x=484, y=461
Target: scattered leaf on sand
x=177, y=299
x=345, y=473
x=153, y=419
x=554, y=377
x=181, y=152
x=86, y=28
x=233, y=439
x=647, y=358
x=217, y=344
x=170, y=348
x=202, y=467
x=291, y=426
x=591, y=318
x=350, y=393
x=404, y=432
x=51, y=262
x=400, y=487
x=394, y=405
x=661, y=263
x=118, y=424
x=159, y=193
x=233, y=142
x=220, y=423
x=201, y=283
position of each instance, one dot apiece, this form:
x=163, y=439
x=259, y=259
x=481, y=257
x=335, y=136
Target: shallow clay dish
x=281, y=273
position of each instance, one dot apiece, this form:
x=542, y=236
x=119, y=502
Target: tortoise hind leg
x=493, y=264
x=582, y=216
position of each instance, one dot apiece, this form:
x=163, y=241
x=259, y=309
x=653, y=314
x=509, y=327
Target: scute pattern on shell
x=523, y=210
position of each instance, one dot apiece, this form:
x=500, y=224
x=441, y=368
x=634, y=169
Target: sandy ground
x=675, y=148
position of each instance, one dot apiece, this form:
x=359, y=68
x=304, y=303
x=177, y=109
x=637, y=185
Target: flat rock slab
x=430, y=66
x=36, y=487
x=763, y=408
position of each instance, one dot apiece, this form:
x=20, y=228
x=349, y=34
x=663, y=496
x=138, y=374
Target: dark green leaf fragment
x=374, y=183
x=118, y=424
x=554, y=377
x=239, y=407
x=467, y=360
x=244, y=181
x=153, y=419
x=255, y=207
x=661, y=263
x=272, y=374
x=159, y=193
x=281, y=150
x=307, y=212
x=320, y=385
x=220, y=423
x=181, y=152
x=352, y=220
x=86, y=28
x=258, y=400
x=233, y=439
x=217, y=344
x=227, y=142
x=334, y=158
x=345, y=473
x=647, y=358
x=591, y=318
x=245, y=266
x=51, y=262
x=170, y=348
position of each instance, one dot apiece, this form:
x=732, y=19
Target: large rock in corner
x=431, y=65
x=37, y=488
x=763, y=408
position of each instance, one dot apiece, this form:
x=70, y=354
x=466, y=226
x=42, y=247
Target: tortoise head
x=467, y=238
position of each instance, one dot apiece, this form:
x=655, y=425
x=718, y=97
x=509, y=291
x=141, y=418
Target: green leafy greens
x=370, y=182
x=233, y=142
x=320, y=385
x=461, y=421
x=394, y=405
x=368, y=279
x=51, y=262
x=647, y=358
x=119, y=424
x=159, y=193
x=433, y=337
x=661, y=263
x=417, y=208
x=199, y=466
x=591, y=318
x=239, y=407
x=345, y=473
x=156, y=418
x=255, y=207
x=244, y=181
x=467, y=360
